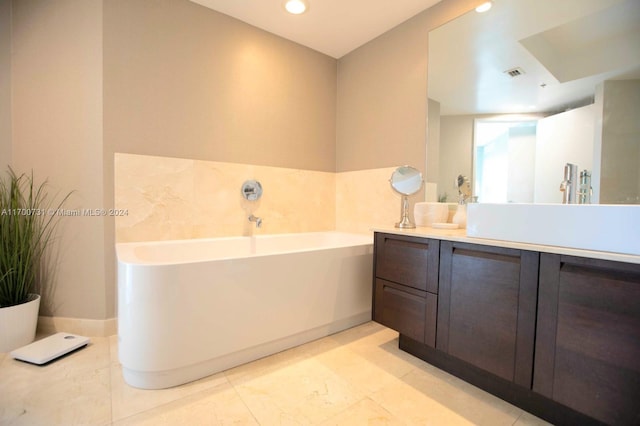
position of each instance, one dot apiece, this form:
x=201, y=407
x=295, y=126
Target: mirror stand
x=405, y=222
x=406, y=180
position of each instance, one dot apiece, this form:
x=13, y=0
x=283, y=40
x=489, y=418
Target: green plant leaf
x=26, y=232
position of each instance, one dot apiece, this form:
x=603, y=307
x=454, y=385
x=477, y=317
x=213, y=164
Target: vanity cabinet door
x=487, y=308
x=588, y=337
x=409, y=261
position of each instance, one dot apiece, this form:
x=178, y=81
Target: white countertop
x=460, y=235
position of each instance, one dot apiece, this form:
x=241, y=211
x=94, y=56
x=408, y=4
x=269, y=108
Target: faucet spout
x=255, y=219
x=569, y=186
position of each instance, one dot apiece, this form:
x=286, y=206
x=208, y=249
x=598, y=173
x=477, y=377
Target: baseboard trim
x=80, y=326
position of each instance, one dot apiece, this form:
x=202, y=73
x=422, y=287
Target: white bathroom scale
x=50, y=348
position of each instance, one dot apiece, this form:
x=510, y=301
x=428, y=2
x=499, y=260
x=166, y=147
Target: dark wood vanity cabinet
x=588, y=337
x=406, y=285
x=487, y=308
x=556, y=335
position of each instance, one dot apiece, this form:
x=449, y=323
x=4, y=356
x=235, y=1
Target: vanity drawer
x=409, y=261
x=409, y=311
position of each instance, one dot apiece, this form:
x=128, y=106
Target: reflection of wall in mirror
x=618, y=133
x=562, y=138
x=433, y=143
x=522, y=149
x=455, y=153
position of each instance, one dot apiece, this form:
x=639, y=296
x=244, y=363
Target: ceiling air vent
x=514, y=72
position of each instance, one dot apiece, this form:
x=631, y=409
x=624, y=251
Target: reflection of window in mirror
x=503, y=161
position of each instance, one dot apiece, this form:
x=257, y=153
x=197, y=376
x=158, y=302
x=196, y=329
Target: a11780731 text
x=64, y=212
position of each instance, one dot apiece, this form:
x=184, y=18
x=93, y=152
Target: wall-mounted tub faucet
x=251, y=190
x=255, y=219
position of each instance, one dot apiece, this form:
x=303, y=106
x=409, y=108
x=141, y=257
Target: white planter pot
x=18, y=324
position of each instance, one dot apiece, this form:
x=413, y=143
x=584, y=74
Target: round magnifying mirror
x=406, y=180
x=464, y=187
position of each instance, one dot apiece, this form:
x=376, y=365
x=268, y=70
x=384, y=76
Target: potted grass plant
x=27, y=228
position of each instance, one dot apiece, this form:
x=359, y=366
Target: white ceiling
x=333, y=27
x=565, y=47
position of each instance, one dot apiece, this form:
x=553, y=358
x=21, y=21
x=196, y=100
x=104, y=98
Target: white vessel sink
x=612, y=228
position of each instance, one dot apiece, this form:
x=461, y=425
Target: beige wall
x=619, y=104
x=382, y=94
x=170, y=78
x=382, y=90
x=57, y=132
x=181, y=80
x=365, y=200
x=456, y=152
x=174, y=83
x=5, y=84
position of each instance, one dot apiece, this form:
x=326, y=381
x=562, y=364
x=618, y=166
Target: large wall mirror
x=517, y=92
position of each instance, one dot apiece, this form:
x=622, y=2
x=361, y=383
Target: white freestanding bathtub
x=191, y=308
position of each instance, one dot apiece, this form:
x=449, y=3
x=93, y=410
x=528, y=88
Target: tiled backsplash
x=172, y=198
x=364, y=198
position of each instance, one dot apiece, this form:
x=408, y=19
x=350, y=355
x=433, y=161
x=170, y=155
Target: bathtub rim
x=125, y=251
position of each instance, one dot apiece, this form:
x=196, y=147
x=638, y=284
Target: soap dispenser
x=460, y=217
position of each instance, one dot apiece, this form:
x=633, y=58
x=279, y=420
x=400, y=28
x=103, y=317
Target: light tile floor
x=356, y=377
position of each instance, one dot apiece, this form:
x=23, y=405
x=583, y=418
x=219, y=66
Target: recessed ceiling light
x=296, y=7
x=484, y=7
